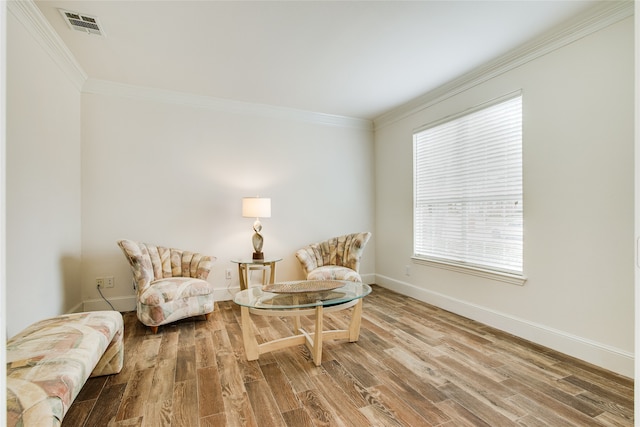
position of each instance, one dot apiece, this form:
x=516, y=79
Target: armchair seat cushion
x=169, y=312
x=174, y=288
x=334, y=272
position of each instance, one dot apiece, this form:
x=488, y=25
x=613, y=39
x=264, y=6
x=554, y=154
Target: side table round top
x=255, y=261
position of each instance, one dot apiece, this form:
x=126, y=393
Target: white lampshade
x=256, y=207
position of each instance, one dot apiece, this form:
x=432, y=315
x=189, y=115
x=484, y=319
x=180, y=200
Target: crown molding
x=28, y=14
x=109, y=88
x=595, y=19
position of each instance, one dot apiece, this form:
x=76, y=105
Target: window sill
x=511, y=278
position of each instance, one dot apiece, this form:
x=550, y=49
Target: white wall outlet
x=407, y=270
x=227, y=273
x=104, y=282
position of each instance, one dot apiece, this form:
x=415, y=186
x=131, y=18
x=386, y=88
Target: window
x=468, y=190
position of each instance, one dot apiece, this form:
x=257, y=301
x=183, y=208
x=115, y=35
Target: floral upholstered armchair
x=335, y=259
x=171, y=283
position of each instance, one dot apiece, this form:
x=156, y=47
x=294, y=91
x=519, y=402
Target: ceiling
x=355, y=59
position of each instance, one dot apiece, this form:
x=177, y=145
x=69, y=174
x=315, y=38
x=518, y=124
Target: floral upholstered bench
x=49, y=362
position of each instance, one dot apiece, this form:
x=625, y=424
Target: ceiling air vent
x=82, y=22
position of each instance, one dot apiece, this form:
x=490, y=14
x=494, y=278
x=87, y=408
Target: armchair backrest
x=150, y=262
x=344, y=251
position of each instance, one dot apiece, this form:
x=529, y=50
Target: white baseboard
x=76, y=309
x=599, y=354
x=607, y=357
x=128, y=303
x=225, y=294
x=122, y=304
x=369, y=279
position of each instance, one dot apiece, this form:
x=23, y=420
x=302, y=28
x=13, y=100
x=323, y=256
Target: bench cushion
x=49, y=362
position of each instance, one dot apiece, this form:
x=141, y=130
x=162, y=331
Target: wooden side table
x=247, y=265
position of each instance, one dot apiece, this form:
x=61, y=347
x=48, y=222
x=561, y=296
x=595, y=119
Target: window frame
x=486, y=271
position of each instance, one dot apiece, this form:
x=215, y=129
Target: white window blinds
x=468, y=189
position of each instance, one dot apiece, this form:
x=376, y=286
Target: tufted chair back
x=335, y=258
x=149, y=263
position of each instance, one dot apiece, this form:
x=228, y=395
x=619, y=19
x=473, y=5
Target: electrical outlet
x=104, y=282
x=407, y=270
x=227, y=273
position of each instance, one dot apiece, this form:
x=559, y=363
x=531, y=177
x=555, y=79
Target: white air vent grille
x=82, y=22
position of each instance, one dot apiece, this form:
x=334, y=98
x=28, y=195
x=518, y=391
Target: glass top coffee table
x=301, y=298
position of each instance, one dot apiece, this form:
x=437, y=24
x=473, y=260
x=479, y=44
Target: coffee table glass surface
x=301, y=298
x=257, y=298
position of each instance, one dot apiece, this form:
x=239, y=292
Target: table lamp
x=256, y=207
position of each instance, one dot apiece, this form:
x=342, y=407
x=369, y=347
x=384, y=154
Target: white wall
x=167, y=172
x=637, y=207
x=3, y=210
x=578, y=201
x=43, y=184
x=174, y=175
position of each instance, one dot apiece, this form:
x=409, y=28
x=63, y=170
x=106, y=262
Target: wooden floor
x=414, y=365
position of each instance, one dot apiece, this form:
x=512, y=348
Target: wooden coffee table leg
x=317, y=337
x=250, y=343
x=354, y=325
x=296, y=319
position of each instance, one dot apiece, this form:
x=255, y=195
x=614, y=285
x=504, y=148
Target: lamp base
x=259, y=256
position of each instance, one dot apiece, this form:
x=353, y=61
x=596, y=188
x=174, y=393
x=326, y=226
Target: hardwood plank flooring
x=414, y=365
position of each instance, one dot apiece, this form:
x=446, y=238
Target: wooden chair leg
x=207, y=316
x=154, y=329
